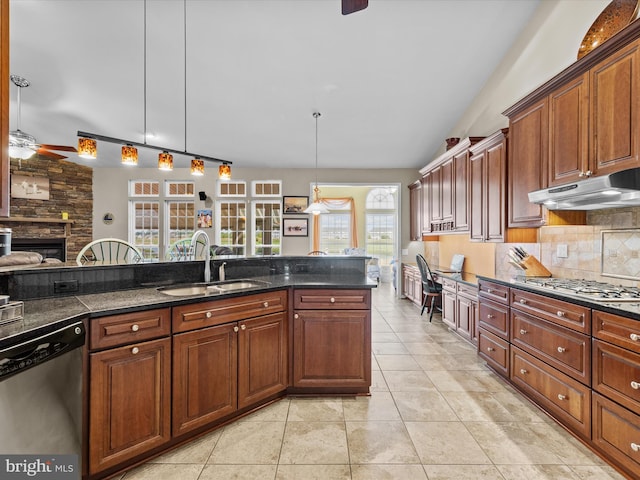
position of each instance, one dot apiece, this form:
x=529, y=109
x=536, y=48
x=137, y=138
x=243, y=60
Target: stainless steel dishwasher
x=41, y=394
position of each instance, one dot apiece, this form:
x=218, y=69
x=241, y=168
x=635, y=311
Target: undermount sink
x=210, y=288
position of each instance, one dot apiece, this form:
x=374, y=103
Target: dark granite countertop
x=439, y=271
x=626, y=309
x=42, y=316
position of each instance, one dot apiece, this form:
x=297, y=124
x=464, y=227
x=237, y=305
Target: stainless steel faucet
x=207, y=247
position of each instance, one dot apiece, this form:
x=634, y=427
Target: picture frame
x=294, y=205
x=32, y=188
x=295, y=227
x=205, y=218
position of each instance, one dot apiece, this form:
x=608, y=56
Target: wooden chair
x=316, y=253
x=431, y=290
x=108, y=251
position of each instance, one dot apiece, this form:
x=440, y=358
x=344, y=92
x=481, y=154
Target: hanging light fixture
x=87, y=148
x=224, y=172
x=197, y=167
x=317, y=207
x=165, y=161
x=129, y=155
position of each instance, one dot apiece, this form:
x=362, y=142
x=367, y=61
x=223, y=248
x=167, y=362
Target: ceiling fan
x=23, y=145
x=351, y=6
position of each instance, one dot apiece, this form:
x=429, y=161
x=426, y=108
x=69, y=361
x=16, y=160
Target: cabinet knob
x=235, y=329
x=243, y=327
x=523, y=301
x=489, y=316
x=561, y=349
x=296, y=316
x=561, y=313
x=488, y=290
x=333, y=300
x=265, y=304
x=135, y=328
x=135, y=350
x=581, y=174
x=490, y=349
x=562, y=397
x=523, y=331
x=635, y=385
x=588, y=173
x=523, y=371
x=635, y=337
x=209, y=314
x=635, y=447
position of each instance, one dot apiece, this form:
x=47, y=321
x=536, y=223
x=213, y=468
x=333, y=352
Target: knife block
x=534, y=267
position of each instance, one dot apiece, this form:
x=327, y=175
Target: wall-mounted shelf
x=67, y=223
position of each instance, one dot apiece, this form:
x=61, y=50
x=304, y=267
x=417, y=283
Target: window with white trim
x=266, y=188
x=232, y=232
x=144, y=217
x=380, y=224
x=335, y=230
x=266, y=232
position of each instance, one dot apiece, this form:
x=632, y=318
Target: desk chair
x=430, y=289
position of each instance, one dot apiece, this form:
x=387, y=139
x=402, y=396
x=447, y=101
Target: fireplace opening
x=47, y=247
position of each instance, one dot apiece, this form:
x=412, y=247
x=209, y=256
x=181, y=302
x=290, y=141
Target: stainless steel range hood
x=620, y=189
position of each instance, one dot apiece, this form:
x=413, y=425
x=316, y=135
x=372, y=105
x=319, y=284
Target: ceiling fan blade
x=63, y=148
x=351, y=6
x=46, y=153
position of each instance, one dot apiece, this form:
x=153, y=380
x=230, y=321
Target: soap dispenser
x=221, y=272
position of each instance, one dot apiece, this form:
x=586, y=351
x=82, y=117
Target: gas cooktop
x=586, y=289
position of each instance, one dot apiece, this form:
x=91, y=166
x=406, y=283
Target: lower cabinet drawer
x=494, y=318
x=562, y=396
x=494, y=350
x=616, y=433
x=616, y=374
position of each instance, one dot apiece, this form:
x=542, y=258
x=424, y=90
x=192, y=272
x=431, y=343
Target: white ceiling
x=390, y=81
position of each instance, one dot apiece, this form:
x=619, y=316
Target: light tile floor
x=435, y=412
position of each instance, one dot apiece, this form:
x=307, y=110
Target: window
x=335, y=231
x=144, y=218
x=233, y=225
x=179, y=215
x=266, y=227
x=380, y=224
x=232, y=189
x=267, y=188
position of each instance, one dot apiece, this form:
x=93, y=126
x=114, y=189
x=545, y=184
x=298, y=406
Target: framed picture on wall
x=33, y=188
x=294, y=205
x=295, y=227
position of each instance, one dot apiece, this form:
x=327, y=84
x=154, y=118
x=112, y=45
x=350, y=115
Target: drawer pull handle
x=333, y=300
x=488, y=290
x=489, y=316
x=635, y=385
x=135, y=327
x=561, y=349
x=562, y=397
x=523, y=301
x=635, y=447
x=561, y=313
x=523, y=331
x=635, y=337
x=296, y=316
x=235, y=329
x=135, y=350
x=243, y=327
x=491, y=349
x=523, y=371
x=208, y=314
x=266, y=304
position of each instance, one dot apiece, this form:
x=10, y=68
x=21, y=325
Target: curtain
x=335, y=203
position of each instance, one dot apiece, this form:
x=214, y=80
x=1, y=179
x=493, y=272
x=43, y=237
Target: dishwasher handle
x=35, y=351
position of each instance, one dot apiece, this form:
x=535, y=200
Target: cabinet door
x=435, y=194
x=460, y=192
x=465, y=321
x=528, y=157
x=615, y=105
x=569, y=132
x=446, y=191
x=205, y=370
x=449, y=309
x=426, y=203
x=494, y=204
x=476, y=196
x=332, y=348
x=129, y=402
x=262, y=358
x=415, y=211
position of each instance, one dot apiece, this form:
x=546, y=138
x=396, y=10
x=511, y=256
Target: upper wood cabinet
x=487, y=188
x=461, y=191
x=415, y=211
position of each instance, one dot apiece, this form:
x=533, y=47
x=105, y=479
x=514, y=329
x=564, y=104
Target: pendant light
x=224, y=172
x=165, y=161
x=129, y=155
x=197, y=167
x=87, y=148
x=317, y=207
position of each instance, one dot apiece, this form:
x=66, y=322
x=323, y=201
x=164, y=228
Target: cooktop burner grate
x=587, y=289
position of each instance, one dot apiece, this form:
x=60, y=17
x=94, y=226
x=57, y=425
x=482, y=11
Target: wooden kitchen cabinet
x=460, y=308
x=426, y=202
x=129, y=402
x=435, y=199
x=527, y=163
x=449, y=314
x=228, y=366
x=332, y=341
x=415, y=211
x=487, y=188
x=412, y=283
x=461, y=213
